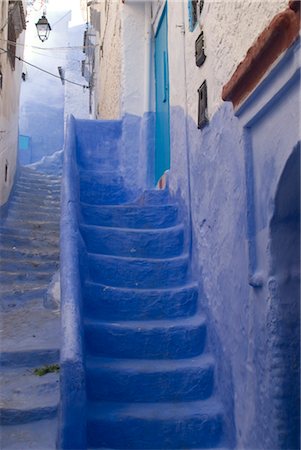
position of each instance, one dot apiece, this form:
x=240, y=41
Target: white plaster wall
x=230, y=28
x=133, y=58
x=9, y=109
x=76, y=98
x=107, y=97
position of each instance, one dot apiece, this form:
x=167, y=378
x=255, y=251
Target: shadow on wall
x=284, y=286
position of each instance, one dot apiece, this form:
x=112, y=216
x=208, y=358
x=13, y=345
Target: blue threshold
x=135, y=370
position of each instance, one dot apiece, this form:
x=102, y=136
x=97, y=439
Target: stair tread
x=181, y=322
x=23, y=390
x=30, y=327
x=182, y=257
x=148, y=365
x=134, y=230
x=143, y=291
x=160, y=410
x=38, y=435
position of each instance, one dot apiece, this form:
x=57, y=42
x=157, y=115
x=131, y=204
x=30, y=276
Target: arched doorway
x=285, y=279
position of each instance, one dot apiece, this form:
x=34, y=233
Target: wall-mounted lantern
x=43, y=28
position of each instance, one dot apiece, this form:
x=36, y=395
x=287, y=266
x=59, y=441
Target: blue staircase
x=148, y=379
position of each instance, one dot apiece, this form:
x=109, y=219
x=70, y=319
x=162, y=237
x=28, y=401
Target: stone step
x=36, y=233
x=29, y=358
x=14, y=265
x=29, y=328
x=37, y=200
x=34, y=243
x=37, y=435
x=37, y=225
x=27, y=174
x=154, y=197
x=40, y=214
x=130, y=216
x=40, y=191
x=155, y=425
x=8, y=252
x=30, y=276
x=104, y=195
x=26, y=211
x=12, y=296
x=138, y=272
x=40, y=188
x=111, y=303
x=26, y=397
x=139, y=243
x=152, y=339
x=130, y=380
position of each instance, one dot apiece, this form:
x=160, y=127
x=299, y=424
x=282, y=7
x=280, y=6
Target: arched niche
x=284, y=286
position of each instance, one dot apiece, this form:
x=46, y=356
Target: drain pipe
x=182, y=27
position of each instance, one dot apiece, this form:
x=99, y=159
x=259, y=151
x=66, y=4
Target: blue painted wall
x=227, y=179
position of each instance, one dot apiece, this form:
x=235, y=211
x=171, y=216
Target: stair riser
x=102, y=302
x=34, y=225
x=154, y=197
x=38, y=200
x=17, y=298
x=104, y=384
x=138, y=273
x=106, y=196
x=101, y=164
x=15, y=417
x=14, y=266
x=36, y=232
x=135, y=433
x=25, y=210
x=35, y=244
x=159, y=343
x=127, y=217
x=37, y=215
x=148, y=244
x=28, y=277
x=37, y=178
x=30, y=254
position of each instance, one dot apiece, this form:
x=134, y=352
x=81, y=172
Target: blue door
x=162, y=149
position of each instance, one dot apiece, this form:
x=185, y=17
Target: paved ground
x=30, y=318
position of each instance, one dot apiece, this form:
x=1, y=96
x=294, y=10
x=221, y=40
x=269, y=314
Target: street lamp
x=43, y=28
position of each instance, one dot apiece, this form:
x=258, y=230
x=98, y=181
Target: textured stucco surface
x=9, y=107
x=108, y=62
x=244, y=320
x=230, y=28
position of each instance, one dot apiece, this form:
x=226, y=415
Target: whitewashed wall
x=9, y=109
x=230, y=28
x=107, y=87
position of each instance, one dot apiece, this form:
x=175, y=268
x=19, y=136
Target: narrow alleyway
x=30, y=325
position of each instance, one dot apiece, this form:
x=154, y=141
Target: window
x=195, y=8
x=193, y=14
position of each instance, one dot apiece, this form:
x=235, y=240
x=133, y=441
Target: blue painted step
x=111, y=303
x=138, y=272
x=149, y=379
x=163, y=426
x=130, y=216
x=152, y=339
x=143, y=243
x=131, y=380
x=154, y=197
